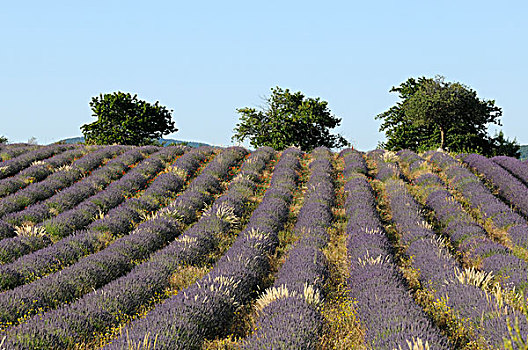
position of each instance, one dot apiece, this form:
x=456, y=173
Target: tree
x=3, y=140
x=503, y=146
x=433, y=113
x=126, y=120
x=289, y=119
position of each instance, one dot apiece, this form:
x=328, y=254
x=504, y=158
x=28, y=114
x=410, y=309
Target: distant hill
x=165, y=142
x=524, y=152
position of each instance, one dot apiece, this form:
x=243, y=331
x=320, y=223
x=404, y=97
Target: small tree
x=289, y=119
x=3, y=140
x=126, y=120
x=434, y=113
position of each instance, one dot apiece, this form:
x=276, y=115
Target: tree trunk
x=442, y=138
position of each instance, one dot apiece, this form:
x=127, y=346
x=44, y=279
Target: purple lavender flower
x=97, y=269
x=291, y=318
x=438, y=270
x=385, y=307
x=481, y=199
x=38, y=171
x=510, y=188
x=14, y=150
x=14, y=165
x=206, y=308
x=66, y=252
x=56, y=181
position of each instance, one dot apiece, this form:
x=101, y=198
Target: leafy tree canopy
x=3, y=139
x=434, y=113
x=124, y=119
x=289, y=119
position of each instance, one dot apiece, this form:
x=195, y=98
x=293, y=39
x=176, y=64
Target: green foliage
x=289, y=119
x=3, y=140
x=503, y=146
x=126, y=120
x=433, y=113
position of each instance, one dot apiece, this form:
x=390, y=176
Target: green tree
x=433, y=113
x=124, y=119
x=3, y=140
x=503, y=146
x=289, y=119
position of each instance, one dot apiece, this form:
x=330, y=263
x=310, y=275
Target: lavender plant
x=206, y=308
x=510, y=188
x=289, y=311
x=465, y=234
x=14, y=150
x=491, y=210
x=69, y=250
x=95, y=182
x=515, y=166
x=385, y=308
x=106, y=307
x=39, y=170
x=14, y=165
x=6, y=230
x=57, y=181
x=79, y=217
x=440, y=273
x=100, y=268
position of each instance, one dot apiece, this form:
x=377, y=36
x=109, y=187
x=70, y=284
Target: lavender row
x=153, y=191
x=79, y=191
x=70, y=249
x=515, y=166
x=79, y=217
x=206, y=309
x=289, y=311
x=34, y=173
x=386, y=166
x=39, y=170
x=354, y=162
x=510, y=188
x=72, y=195
x=440, y=273
x=411, y=161
x=14, y=150
x=96, y=312
x=100, y=268
x=57, y=181
x=385, y=307
x=481, y=199
x=466, y=235
x=15, y=164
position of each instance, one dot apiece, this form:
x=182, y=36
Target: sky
x=205, y=59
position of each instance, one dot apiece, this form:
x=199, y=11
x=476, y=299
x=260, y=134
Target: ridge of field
x=228, y=248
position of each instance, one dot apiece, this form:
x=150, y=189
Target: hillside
x=122, y=247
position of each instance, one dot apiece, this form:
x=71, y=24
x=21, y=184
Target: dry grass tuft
x=146, y=344
x=28, y=230
x=416, y=344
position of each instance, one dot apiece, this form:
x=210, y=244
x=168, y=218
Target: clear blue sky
x=204, y=59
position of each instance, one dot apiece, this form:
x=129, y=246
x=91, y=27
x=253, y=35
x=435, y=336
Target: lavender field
x=123, y=247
